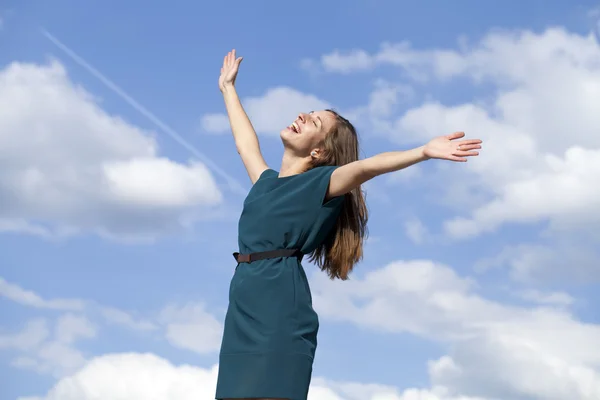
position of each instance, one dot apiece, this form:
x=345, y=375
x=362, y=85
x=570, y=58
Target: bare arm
x=350, y=176
x=246, y=140
x=244, y=135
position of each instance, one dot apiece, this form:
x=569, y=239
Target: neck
x=292, y=164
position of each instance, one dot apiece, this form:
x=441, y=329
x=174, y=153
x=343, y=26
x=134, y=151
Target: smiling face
x=307, y=133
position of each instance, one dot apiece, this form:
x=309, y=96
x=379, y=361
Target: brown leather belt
x=263, y=255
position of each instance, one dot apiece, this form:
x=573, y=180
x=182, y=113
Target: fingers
x=470, y=141
x=230, y=59
x=458, y=135
x=466, y=148
x=467, y=153
x=469, y=146
x=455, y=135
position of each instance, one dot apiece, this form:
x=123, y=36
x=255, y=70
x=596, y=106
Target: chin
x=287, y=135
x=290, y=140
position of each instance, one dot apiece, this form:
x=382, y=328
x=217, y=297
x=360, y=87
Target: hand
x=229, y=70
x=448, y=148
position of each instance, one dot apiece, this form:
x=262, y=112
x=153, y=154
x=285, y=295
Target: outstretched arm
x=244, y=135
x=350, y=176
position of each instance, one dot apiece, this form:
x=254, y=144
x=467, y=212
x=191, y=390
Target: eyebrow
x=319, y=118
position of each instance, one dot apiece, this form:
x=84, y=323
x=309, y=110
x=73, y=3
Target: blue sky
x=479, y=280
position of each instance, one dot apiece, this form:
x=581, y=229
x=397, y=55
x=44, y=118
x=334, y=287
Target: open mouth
x=294, y=126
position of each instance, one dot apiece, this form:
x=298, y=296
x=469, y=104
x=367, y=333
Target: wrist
x=423, y=153
x=227, y=88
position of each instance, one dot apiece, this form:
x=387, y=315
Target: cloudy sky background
x=120, y=189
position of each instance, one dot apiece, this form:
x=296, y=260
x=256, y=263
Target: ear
x=315, y=153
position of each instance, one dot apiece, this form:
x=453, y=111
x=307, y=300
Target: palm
x=229, y=69
x=449, y=148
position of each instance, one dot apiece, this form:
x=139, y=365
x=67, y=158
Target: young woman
x=313, y=206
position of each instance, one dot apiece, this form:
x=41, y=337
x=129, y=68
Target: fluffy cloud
x=146, y=376
x=191, y=327
x=541, y=130
x=541, y=156
x=34, y=333
x=48, y=352
x=540, y=352
x=269, y=113
x=574, y=260
x=553, y=298
x=54, y=351
x=68, y=166
x=135, y=376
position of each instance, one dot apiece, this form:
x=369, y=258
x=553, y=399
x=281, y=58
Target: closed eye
x=315, y=120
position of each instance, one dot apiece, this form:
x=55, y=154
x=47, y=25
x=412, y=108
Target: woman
x=313, y=205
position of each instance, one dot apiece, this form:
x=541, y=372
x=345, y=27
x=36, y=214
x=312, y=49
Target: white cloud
x=152, y=182
x=563, y=192
x=540, y=352
x=553, y=298
x=47, y=353
x=68, y=166
x=188, y=327
x=354, y=60
x=574, y=260
x=70, y=327
x=540, y=126
x=148, y=377
x=120, y=317
x=34, y=333
x=271, y=112
x=385, y=97
x=215, y=123
x=135, y=376
x=191, y=327
x=414, y=62
x=19, y=295
x=415, y=230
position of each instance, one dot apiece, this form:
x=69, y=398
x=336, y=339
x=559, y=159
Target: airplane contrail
x=234, y=184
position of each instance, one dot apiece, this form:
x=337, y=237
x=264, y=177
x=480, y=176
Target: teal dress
x=270, y=333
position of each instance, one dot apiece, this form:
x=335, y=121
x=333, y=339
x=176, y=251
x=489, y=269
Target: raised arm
x=244, y=135
x=347, y=177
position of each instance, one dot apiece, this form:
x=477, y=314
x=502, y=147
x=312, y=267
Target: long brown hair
x=344, y=247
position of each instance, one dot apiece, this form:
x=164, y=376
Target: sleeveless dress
x=270, y=332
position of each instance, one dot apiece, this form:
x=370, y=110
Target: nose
x=302, y=117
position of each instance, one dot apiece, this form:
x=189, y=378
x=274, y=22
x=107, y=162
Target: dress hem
x=264, y=375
